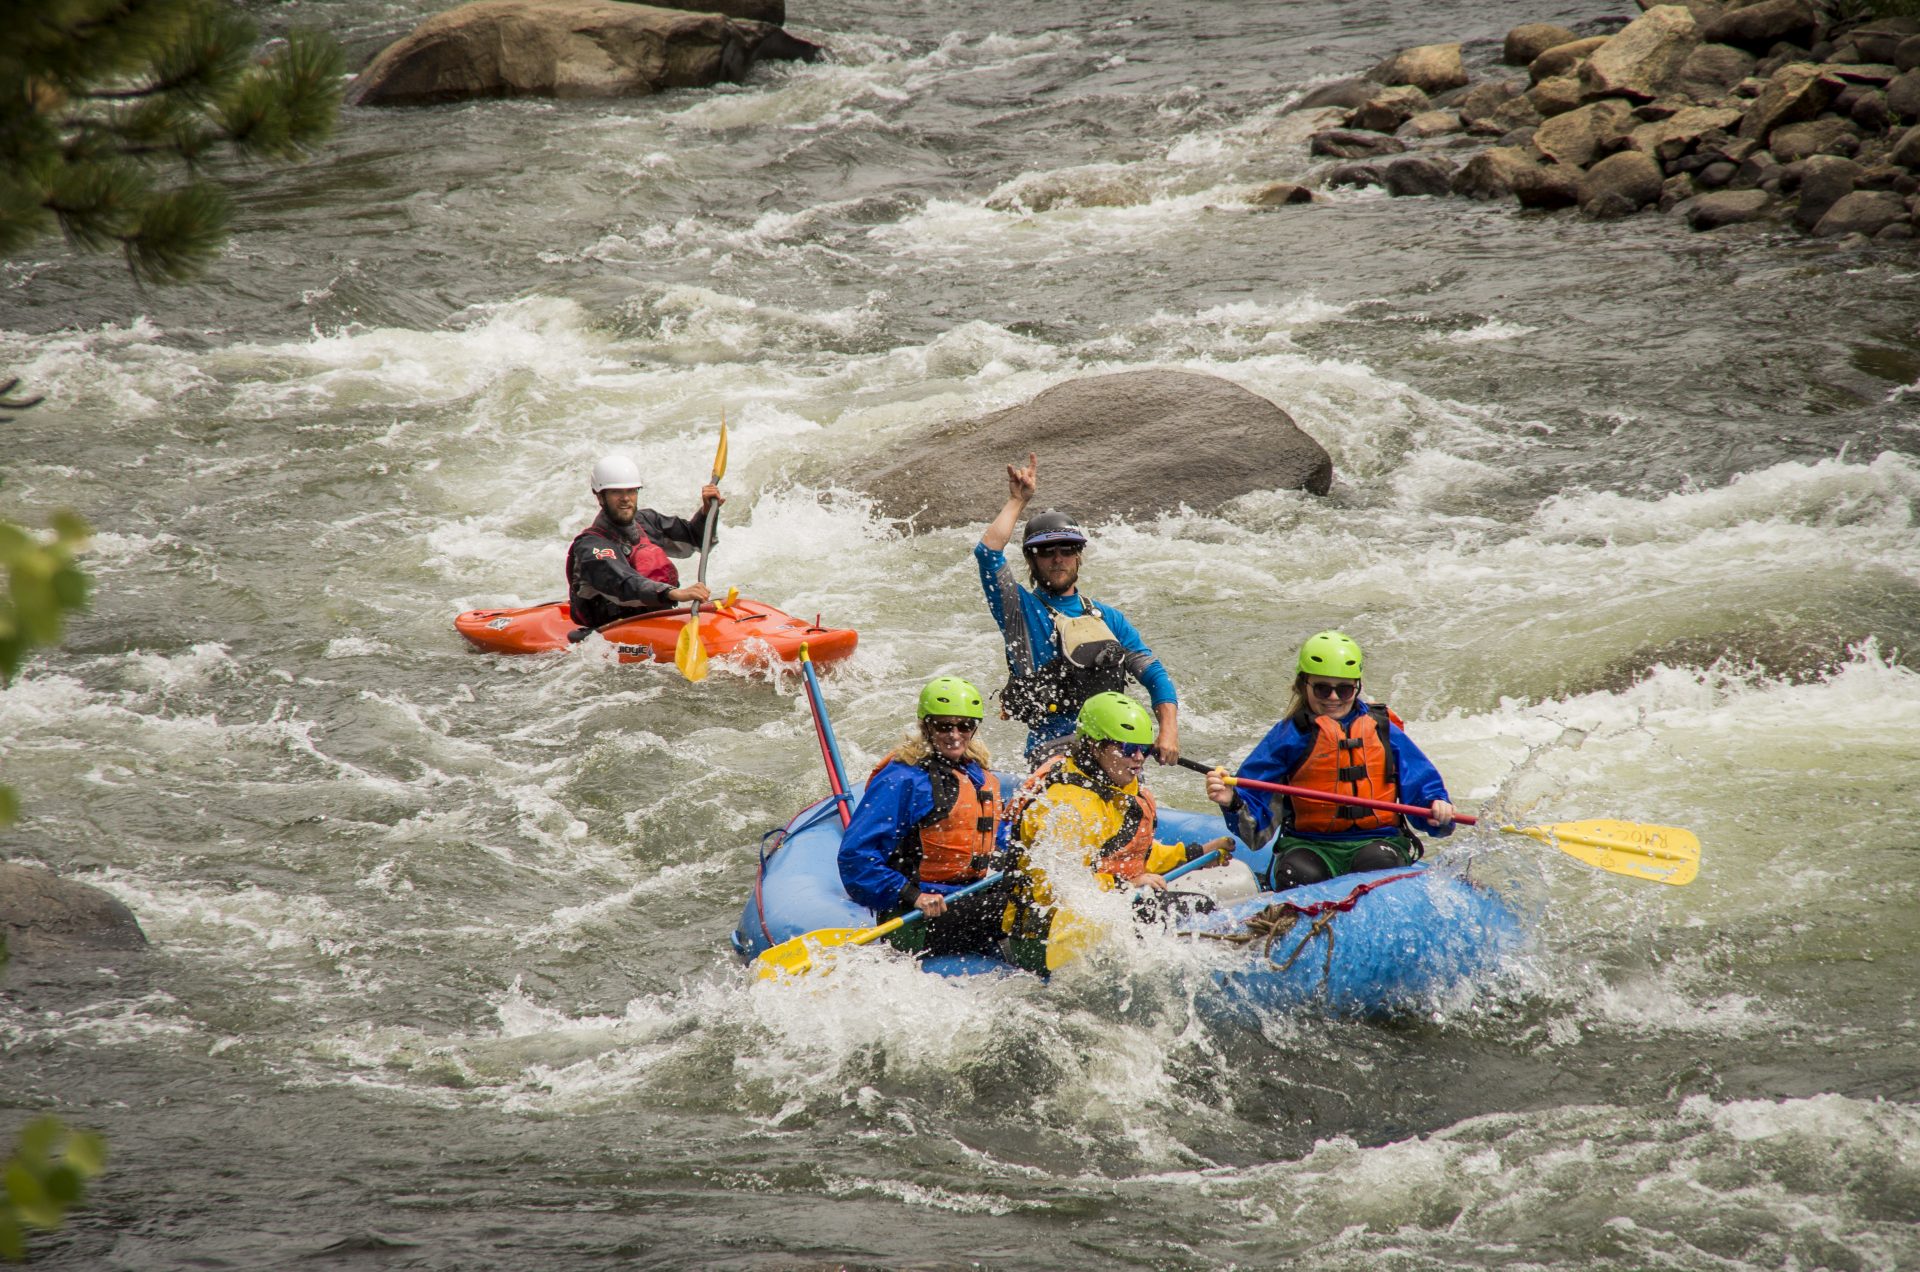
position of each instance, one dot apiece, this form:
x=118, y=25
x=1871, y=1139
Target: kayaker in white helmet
x=1061, y=647
x=619, y=566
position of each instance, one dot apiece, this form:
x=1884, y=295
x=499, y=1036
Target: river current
x=1624, y=516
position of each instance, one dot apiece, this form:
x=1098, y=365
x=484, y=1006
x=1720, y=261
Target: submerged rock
x=1136, y=443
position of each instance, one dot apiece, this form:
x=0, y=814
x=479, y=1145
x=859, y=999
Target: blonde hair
x=914, y=747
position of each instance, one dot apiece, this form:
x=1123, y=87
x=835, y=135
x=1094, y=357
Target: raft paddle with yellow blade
x=795, y=957
x=1662, y=854
x=689, y=653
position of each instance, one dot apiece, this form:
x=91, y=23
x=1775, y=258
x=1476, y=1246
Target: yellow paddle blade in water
x=1663, y=854
x=795, y=957
x=689, y=654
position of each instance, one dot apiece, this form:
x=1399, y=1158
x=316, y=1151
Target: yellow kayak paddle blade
x=689, y=654
x=720, y=456
x=1663, y=854
x=795, y=957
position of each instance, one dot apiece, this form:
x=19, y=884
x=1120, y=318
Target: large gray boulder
x=566, y=49
x=1795, y=92
x=1581, y=136
x=1564, y=59
x=1824, y=181
x=44, y=914
x=1620, y=184
x=1758, y=27
x=1531, y=39
x=1432, y=68
x=1712, y=71
x=1134, y=443
x=1644, y=58
x=1862, y=212
x=1725, y=207
x=1494, y=173
x=1667, y=139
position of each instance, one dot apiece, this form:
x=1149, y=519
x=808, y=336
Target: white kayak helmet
x=615, y=472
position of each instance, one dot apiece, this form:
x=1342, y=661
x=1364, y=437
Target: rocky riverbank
x=1793, y=112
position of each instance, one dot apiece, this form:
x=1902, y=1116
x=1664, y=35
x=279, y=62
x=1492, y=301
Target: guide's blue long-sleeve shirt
x=1031, y=642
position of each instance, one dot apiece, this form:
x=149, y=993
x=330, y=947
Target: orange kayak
x=746, y=631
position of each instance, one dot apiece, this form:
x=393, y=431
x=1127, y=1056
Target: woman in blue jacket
x=1332, y=739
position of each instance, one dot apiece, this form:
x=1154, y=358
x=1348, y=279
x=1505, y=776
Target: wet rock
x=1703, y=11
x=1823, y=181
x=1681, y=131
x=1862, y=212
x=1755, y=169
x=1529, y=40
x=1726, y=207
x=1136, y=443
x=1547, y=186
x=1898, y=232
x=1791, y=94
x=1716, y=175
x=1427, y=125
x=566, y=49
x=1413, y=175
x=1758, y=27
x=1483, y=99
x=1906, y=151
x=1903, y=96
x=1278, y=194
x=1513, y=114
x=43, y=914
x=1645, y=57
x=1564, y=59
x=1103, y=185
x=1628, y=177
x=1353, y=174
x=1348, y=94
x=1387, y=109
x=1432, y=68
x=1877, y=41
x=1677, y=189
x=1824, y=136
x=1491, y=173
x=1870, y=112
x=1555, y=96
x=1581, y=136
x=1351, y=143
x=1712, y=71
x=1907, y=56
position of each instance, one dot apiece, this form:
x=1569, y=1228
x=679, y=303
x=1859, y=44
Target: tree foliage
x=112, y=111
x=44, y=1178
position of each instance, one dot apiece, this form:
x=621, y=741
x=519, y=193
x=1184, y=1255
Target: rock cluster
x=1717, y=111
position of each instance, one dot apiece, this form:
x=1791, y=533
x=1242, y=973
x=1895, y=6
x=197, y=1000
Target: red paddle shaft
x=1301, y=792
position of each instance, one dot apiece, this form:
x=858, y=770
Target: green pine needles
x=114, y=112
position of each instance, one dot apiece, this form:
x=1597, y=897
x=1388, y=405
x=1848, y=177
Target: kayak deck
x=748, y=632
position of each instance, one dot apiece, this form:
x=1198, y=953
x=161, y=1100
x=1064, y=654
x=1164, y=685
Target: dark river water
x=1624, y=516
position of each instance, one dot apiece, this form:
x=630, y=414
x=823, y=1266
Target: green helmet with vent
x=1331, y=654
x=952, y=696
x=1114, y=717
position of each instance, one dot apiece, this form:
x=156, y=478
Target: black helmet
x=1051, y=526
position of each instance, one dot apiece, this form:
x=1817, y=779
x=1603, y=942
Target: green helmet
x=951, y=696
x=1331, y=654
x=1114, y=717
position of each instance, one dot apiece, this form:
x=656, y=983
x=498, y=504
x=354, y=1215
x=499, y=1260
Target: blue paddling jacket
x=898, y=798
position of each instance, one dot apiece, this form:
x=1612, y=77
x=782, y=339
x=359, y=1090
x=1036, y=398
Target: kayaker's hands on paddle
x=1441, y=813
x=1154, y=882
x=691, y=592
x=1217, y=789
x=710, y=497
x=931, y=904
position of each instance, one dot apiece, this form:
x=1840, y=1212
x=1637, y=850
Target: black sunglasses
x=1057, y=550
x=1338, y=690
x=952, y=726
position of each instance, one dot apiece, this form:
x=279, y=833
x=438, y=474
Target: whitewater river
x=1625, y=518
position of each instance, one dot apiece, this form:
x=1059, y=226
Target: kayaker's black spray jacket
x=602, y=584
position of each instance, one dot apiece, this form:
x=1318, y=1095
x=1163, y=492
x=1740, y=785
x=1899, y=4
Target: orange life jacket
x=953, y=843
x=1122, y=854
x=1346, y=760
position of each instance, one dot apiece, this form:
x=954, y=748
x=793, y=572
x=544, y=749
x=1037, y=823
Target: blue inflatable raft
x=1362, y=944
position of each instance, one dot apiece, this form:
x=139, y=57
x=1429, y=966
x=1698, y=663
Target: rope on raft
x=1280, y=917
